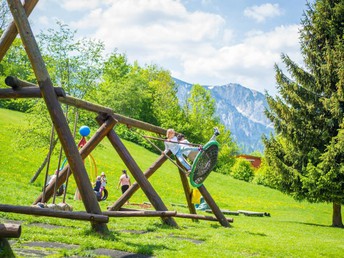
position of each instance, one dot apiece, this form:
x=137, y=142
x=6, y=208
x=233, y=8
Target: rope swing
x=203, y=163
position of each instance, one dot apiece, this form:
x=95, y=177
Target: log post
x=11, y=32
x=216, y=210
x=10, y=230
x=135, y=186
x=135, y=170
x=187, y=190
x=5, y=247
x=56, y=113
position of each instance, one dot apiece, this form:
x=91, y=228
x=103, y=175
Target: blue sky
x=210, y=42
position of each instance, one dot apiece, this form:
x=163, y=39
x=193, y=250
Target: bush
x=242, y=170
x=225, y=169
x=265, y=176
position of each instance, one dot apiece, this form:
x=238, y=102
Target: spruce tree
x=306, y=154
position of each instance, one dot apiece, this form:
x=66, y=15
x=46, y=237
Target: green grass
x=295, y=229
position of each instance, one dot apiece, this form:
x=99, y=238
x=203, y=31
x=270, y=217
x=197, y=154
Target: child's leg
x=181, y=159
x=184, y=149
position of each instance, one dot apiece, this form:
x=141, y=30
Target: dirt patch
x=43, y=249
x=44, y=225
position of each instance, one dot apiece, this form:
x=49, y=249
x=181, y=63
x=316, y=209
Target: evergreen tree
x=305, y=155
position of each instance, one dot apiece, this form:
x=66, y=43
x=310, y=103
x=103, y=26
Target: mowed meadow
x=294, y=229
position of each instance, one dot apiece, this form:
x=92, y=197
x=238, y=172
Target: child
x=103, y=181
x=124, y=182
x=171, y=144
x=191, y=155
x=97, y=184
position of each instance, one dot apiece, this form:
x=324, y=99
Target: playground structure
x=107, y=119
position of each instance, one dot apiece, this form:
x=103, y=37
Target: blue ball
x=84, y=130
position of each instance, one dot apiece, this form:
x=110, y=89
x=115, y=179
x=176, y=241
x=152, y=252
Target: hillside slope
x=294, y=229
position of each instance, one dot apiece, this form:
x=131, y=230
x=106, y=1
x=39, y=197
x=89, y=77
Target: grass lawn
x=295, y=229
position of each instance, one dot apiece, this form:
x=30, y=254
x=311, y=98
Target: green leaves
x=307, y=153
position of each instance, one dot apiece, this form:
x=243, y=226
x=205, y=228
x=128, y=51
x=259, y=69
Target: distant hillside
x=240, y=109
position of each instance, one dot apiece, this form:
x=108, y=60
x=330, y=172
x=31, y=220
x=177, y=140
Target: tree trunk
x=337, y=216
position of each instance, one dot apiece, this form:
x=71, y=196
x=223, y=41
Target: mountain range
x=240, y=109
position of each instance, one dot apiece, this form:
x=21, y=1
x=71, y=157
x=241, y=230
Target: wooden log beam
x=98, y=136
x=140, y=213
x=11, y=32
x=100, y=218
x=79, y=103
x=56, y=113
x=213, y=206
x=135, y=186
x=201, y=217
x=16, y=83
x=185, y=215
x=31, y=92
x=135, y=170
x=9, y=230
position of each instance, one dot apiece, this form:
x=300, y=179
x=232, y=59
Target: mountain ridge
x=240, y=109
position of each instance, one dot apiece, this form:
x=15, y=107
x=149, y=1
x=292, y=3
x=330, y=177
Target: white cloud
x=154, y=27
x=197, y=47
x=261, y=12
x=250, y=62
x=81, y=4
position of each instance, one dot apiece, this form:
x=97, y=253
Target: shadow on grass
x=5, y=248
x=111, y=235
x=148, y=249
x=256, y=234
x=310, y=224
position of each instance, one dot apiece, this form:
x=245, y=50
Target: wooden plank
x=11, y=32
x=54, y=213
x=145, y=185
x=135, y=186
x=56, y=113
x=10, y=230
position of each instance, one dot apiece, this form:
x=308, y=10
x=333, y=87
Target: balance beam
x=28, y=210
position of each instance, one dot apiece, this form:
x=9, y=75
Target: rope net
x=204, y=163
